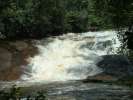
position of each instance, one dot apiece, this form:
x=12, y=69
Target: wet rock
x=101, y=78
x=5, y=59
x=62, y=98
x=114, y=67
x=14, y=55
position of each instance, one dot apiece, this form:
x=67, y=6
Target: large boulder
x=114, y=67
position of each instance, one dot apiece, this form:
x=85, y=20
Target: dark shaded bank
x=13, y=58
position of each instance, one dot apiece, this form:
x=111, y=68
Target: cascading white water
x=70, y=56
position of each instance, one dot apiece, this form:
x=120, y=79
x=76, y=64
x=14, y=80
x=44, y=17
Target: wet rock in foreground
x=77, y=90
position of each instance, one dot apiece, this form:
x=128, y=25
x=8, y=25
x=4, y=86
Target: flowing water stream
x=70, y=56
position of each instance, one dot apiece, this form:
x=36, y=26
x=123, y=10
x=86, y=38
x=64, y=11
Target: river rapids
x=71, y=56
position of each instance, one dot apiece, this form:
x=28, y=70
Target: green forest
x=40, y=18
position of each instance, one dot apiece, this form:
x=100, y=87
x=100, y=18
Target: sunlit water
x=70, y=56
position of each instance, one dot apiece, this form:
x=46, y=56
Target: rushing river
x=70, y=56
x=61, y=64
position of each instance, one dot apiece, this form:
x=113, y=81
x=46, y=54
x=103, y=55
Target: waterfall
x=70, y=56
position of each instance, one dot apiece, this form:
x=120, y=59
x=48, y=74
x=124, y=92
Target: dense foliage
x=36, y=18
x=39, y=18
x=117, y=12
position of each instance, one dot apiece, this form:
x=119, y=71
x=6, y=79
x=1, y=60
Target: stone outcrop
x=114, y=67
x=14, y=55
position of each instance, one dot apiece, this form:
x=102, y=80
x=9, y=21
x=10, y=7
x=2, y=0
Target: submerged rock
x=114, y=67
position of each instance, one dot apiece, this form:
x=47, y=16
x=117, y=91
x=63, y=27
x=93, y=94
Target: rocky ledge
x=13, y=55
x=115, y=68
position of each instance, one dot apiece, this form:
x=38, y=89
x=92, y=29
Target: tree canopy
x=39, y=18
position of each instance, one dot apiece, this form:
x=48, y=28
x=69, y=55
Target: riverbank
x=13, y=57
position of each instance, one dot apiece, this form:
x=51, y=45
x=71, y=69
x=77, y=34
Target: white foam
x=70, y=56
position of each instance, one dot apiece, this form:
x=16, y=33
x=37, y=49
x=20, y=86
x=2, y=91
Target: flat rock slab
x=75, y=91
